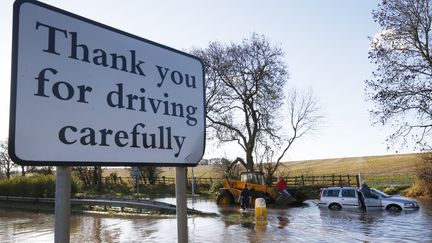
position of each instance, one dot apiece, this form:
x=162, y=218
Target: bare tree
x=304, y=117
x=89, y=176
x=6, y=163
x=244, y=90
x=223, y=167
x=401, y=86
x=150, y=172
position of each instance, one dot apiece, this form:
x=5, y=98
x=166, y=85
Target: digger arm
x=237, y=160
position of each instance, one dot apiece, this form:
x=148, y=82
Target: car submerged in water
x=353, y=198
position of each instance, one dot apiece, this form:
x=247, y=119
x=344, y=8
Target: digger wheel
x=225, y=198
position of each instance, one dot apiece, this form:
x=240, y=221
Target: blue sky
x=325, y=42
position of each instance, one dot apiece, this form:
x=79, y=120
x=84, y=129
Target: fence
x=206, y=182
x=390, y=180
x=332, y=180
x=292, y=181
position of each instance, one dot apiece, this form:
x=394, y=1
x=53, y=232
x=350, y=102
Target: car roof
x=339, y=187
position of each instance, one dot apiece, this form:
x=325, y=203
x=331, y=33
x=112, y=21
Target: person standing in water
x=245, y=197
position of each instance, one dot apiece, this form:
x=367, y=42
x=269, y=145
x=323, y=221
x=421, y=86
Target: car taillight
x=321, y=192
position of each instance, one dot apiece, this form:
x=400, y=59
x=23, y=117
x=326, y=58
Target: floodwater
x=306, y=223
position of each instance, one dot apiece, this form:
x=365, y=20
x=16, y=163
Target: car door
x=349, y=199
x=372, y=201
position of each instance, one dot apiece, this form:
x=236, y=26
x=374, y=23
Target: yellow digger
x=230, y=193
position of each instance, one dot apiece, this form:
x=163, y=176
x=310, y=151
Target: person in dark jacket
x=245, y=197
x=365, y=189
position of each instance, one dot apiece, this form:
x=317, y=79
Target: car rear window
x=331, y=193
x=348, y=193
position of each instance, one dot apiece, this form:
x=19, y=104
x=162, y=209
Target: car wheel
x=394, y=208
x=335, y=206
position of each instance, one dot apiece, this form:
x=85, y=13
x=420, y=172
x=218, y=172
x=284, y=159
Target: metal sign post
x=137, y=185
x=181, y=202
x=193, y=187
x=62, y=204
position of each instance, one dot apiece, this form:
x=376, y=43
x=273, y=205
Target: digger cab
x=252, y=177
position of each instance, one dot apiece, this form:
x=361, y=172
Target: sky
x=325, y=43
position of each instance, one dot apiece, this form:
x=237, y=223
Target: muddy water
x=307, y=223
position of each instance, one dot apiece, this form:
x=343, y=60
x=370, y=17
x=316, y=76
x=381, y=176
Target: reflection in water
x=305, y=223
x=283, y=221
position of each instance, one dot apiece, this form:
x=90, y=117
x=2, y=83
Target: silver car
x=352, y=197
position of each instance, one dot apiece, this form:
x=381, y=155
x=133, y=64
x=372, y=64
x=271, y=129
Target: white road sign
x=87, y=94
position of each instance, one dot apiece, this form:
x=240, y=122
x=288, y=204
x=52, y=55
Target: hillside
x=371, y=165
x=398, y=164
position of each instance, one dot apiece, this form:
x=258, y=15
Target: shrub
x=423, y=173
x=157, y=190
x=420, y=189
x=391, y=190
x=35, y=186
x=215, y=188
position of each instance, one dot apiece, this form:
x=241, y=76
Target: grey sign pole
x=180, y=187
x=62, y=204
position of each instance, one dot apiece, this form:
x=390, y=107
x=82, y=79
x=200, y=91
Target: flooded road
x=307, y=223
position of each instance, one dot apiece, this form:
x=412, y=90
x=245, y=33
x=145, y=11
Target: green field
x=386, y=165
x=400, y=164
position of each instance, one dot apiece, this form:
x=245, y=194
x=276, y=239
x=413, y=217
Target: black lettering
x=153, y=104
x=41, y=81
x=69, y=91
x=153, y=140
x=190, y=84
x=119, y=94
x=121, y=135
x=74, y=47
x=82, y=93
x=136, y=66
x=62, y=134
x=179, y=75
x=101, y=59
x=134, y=134
x=177, y=108
x=90, y=138
x=131, y=98
x=191, y=121
x=104, y=133
x=51, y=37
x=114, y=58
x=162, y=74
